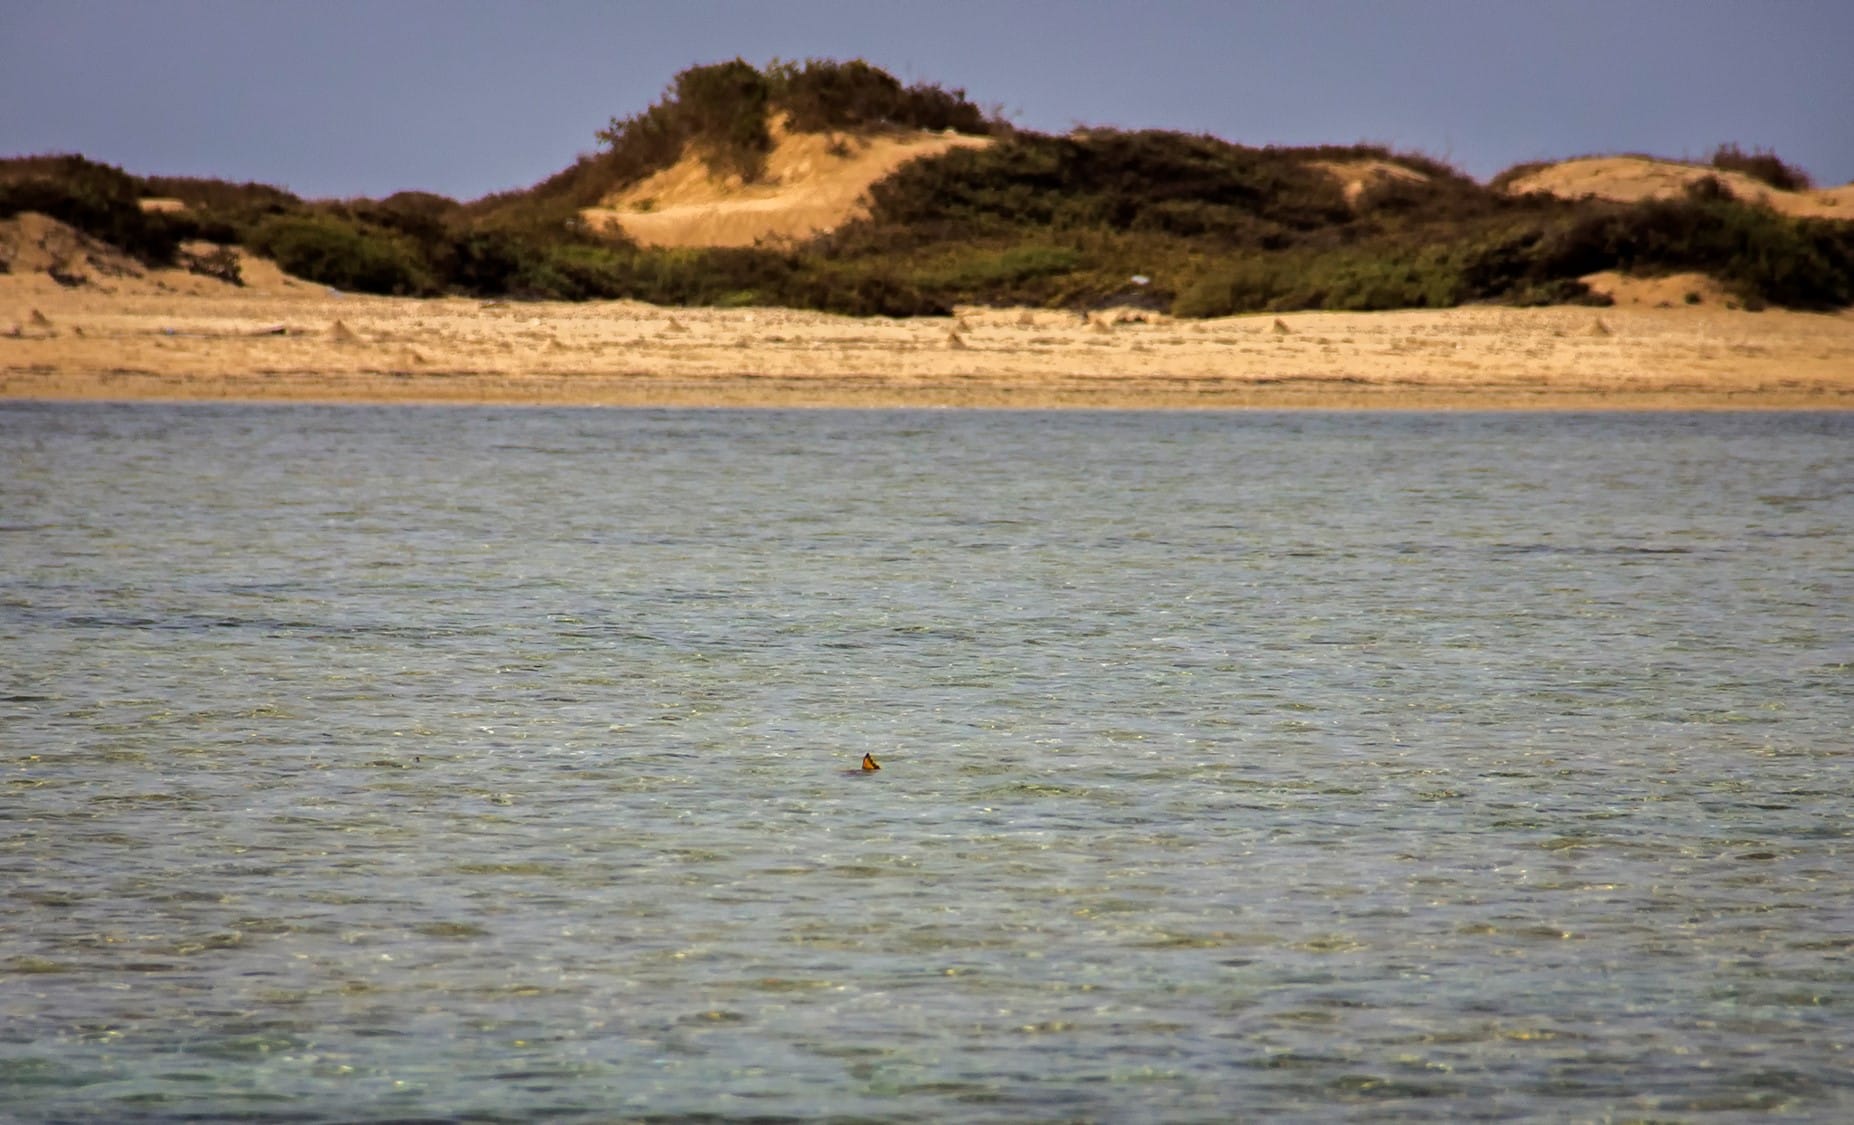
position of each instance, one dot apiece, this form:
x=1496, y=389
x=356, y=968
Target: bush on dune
x=1757, y=253
x=722, y=111
x=1340, y=280
x=344, y=254
x=1763, y=166
x=996, y=273
x=823, y=96
x=1119, y=181
x=246, y=200
x=102, y=201
x=861, y=292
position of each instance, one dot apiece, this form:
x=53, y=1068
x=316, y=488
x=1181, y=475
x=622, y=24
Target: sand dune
x=32, y=244
x=37, y=252
x=1628, y=179
x=813, y=183
x=79, y=319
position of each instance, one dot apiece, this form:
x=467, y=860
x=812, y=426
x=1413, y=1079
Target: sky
x=339, y=98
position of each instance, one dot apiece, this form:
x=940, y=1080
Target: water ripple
x=484, y=765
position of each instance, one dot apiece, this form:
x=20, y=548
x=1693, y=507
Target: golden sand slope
x=1361, y=176
x=1627, y=179
x=1672, y=290
x=812, y=183
x=35, y=250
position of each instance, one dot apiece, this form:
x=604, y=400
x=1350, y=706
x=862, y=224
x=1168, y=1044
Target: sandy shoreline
x=178, y=337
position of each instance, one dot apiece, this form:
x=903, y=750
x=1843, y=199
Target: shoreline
x=184, y=338
x=760, y=394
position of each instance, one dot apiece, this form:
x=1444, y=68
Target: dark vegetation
x=1187, y=224
x=1762, y=166
x=722, y=111
x=97, y=199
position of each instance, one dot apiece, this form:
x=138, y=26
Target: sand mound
x=1627, y=179
x=813, y=183
x=38, y=252
x=31, y=243
x=1361, y=176
x=1673, y=291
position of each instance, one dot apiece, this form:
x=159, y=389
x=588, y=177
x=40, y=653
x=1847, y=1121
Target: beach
x=167, y=335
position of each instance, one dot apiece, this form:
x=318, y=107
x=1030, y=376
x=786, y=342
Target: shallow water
x=479, y=764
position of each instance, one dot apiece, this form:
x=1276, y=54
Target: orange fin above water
x=869, y=763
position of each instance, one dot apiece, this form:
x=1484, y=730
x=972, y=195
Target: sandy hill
x=1627, y=179
x=31, y=244
x=813, y=183
x=42, y=254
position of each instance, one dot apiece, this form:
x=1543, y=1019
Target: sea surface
x=437, y=764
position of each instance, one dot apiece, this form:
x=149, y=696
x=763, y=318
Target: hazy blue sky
x=367, y=97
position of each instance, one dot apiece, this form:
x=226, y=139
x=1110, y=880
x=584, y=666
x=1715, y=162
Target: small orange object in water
x=869, y=763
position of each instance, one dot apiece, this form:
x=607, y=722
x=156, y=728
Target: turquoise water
x=497, y=765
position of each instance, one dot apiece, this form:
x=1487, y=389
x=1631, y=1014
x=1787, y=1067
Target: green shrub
x=823, y=96
x=1361, y=283
x=1157, y=181
x=974, y=272
x=347, y=255
x=1754, y=251
x=872, y=293
x=489, y=263
x=1193, y=218
x=719, y=109
x=723, y=108
x=570, y=272
x=218, y=210
x=1246, y=284
x=1341, y=280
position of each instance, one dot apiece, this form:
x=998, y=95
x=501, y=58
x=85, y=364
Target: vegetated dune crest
x=1627, y=179
x=813, y=183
